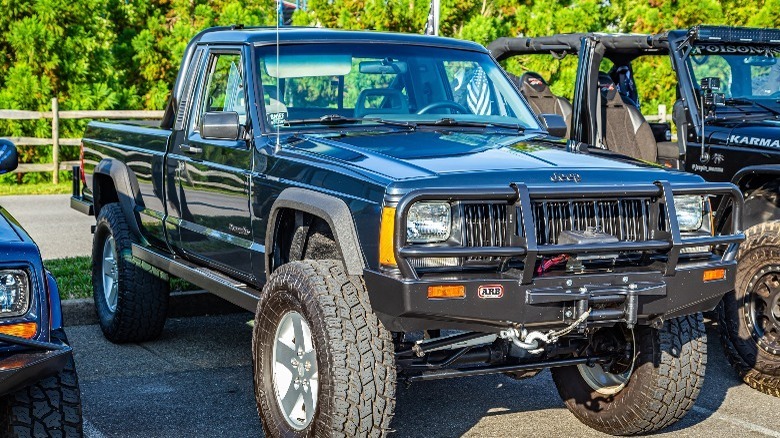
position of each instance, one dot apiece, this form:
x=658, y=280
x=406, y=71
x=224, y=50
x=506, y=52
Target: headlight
x=690, y=212
x=428, y=222
x=14, y=293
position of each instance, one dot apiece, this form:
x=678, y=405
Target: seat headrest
x=608, y=89
x=534, y=83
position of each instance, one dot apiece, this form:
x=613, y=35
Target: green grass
x=74, y=277
x=43, y=188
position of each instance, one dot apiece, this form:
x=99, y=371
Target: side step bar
x=216, y=283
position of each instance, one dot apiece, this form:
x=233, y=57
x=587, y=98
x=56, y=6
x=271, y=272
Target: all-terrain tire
x=354, y=352
x=142, y=296
x=667, y=378
x=756, y=362
x=49, y=408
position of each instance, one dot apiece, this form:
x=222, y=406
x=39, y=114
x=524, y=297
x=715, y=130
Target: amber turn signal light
x=22, y=330
x=714, y=274
x=446, y=291
x=386, y=231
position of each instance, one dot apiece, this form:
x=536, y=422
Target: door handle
x=187, y=149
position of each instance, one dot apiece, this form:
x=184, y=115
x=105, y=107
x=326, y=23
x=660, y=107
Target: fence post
x=662, y=113
x=55, y=137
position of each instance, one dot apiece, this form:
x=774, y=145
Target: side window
x=224, y=90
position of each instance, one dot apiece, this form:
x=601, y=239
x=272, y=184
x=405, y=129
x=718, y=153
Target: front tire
x=749, y=317
x=51, y=407
x=323, y=362
x=131, y=302
x=656, y=391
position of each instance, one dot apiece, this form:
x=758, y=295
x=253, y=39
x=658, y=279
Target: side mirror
x=220, y=126
x=9, y=159
x=554, y=124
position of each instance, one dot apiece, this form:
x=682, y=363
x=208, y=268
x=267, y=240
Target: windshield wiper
x=448, y=121
x=410, y=125
x=327, y=120
x=743, y=101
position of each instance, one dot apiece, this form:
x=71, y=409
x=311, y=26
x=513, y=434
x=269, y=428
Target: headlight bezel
x=22, y=282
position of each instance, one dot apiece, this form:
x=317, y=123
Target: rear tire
x=49, y=408
x=344, y=355
x=131, y=302
x=749, y=317
x=667, y=377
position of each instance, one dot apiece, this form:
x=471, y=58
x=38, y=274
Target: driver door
x=212, y=177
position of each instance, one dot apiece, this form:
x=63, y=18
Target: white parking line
x=738, y=422
x=90, y=431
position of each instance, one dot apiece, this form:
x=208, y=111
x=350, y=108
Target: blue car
x=39, y=391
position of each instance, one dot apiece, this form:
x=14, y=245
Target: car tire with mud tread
x=354, y=352
x=758, y=257
x=666, y=380
x=49, y=408
x=141, y=296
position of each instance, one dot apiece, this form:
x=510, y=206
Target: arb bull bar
x=534, y=299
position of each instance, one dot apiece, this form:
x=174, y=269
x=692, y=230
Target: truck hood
x=457, y=157
x=760, y=133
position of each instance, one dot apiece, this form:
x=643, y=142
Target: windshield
x=745, y=72
x=361, y=83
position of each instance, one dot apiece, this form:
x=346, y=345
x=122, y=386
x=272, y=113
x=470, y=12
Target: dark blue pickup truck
x=391, y=209
x=39, y=390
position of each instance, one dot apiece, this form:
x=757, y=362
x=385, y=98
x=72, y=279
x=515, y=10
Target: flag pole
x=436, y=15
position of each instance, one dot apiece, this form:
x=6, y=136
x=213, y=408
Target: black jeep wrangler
x=727, y=116
x=390, y=208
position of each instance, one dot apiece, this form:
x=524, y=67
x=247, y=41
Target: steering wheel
x=445, y=104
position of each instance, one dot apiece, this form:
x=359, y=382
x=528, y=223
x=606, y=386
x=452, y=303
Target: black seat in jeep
x=623, y=128
x=540, y=97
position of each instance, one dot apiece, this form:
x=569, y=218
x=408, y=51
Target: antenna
x=279, y=18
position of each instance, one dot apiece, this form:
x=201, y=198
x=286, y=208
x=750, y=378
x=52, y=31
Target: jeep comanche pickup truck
x=390, y=208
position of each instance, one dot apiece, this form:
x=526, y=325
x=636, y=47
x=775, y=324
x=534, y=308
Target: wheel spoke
x=308, y=404
x=298, y=330
x=290, y=399
x=285, y=355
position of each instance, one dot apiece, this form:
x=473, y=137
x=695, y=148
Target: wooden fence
x=56, y=115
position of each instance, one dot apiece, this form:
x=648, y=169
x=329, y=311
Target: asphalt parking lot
x=197, y=381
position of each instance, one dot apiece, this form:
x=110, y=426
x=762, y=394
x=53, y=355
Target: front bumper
x=39, y=360
x=549, y=301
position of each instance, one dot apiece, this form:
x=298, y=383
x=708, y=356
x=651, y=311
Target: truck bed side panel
x=142, y=151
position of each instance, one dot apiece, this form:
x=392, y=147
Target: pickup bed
x=390, y=208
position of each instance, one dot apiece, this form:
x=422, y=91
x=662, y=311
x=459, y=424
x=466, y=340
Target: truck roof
x=255, y=35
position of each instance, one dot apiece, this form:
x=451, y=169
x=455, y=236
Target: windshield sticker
x=732, y=49
x=277, y=119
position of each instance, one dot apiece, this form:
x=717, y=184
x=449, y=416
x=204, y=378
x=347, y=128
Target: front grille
x=484, y=225
x=626, y=219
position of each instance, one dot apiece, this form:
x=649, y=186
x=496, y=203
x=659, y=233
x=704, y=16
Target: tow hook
x=531, y=341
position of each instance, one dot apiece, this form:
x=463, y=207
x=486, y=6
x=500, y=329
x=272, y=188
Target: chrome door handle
x=187, y=149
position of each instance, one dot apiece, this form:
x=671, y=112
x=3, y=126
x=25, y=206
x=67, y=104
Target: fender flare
x=126, y=186
x=757, y=212
x=332, y=210
x=764, y=169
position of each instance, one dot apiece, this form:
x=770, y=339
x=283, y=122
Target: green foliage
x=119, y=54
